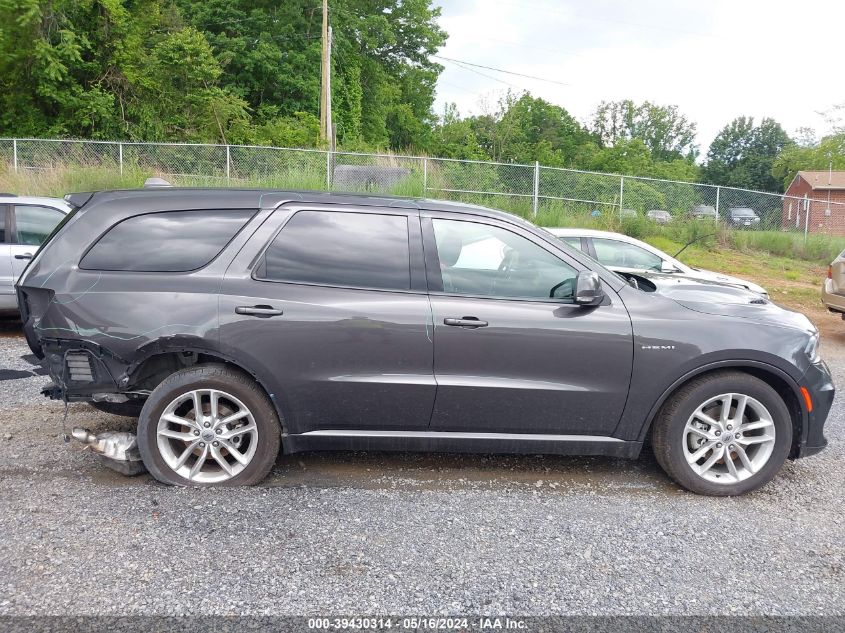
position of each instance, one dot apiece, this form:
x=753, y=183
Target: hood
x=709, y=275
x=718, y=299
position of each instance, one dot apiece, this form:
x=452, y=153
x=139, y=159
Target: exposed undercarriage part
x=118, y=450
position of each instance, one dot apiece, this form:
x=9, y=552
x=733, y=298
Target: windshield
x=743, y=213
x=595, y=263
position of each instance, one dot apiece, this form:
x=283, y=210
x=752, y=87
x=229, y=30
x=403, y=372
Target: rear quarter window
x=169, y=241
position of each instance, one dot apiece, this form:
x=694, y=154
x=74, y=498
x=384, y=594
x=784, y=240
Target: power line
x=500, y=70
x=477, y=72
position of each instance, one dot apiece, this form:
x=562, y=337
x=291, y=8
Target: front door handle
x=468, y=322
x=24, y=256
x=259, y=311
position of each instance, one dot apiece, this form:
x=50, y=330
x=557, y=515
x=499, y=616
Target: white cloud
x=715, y=60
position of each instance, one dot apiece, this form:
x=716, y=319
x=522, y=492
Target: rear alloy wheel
x=208, y=425
x=723, y=434
x=207, y=436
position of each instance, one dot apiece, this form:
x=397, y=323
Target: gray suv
x=243, y=320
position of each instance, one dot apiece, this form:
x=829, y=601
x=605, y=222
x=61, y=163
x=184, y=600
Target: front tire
x=209, y=425
x=723, y=434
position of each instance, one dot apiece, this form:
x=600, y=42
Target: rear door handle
x=259, y=311
x=468, y=322
x=24, y=256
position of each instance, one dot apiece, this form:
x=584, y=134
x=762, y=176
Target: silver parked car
x=25, y=222
x=625, y=254
x=659, y=215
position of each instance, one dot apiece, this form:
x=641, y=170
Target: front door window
x=487, y=261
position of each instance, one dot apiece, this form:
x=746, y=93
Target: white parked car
x=624, y=254
x=25, y=222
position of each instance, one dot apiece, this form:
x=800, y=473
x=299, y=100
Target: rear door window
x=33, y=223
x=171, y=241
x=336, y=248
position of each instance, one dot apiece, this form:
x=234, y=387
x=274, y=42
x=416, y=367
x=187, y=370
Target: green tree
x=194, y=107
x=830, y=152
x=453, y=137
x=524, y=129
x=742, y=155
x=667, y=133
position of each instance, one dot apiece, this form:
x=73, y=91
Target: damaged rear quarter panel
x=114, y=314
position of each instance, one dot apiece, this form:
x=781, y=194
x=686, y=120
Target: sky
x=715, y=60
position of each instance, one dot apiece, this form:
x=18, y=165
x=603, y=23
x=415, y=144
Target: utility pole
x=329, y=123
x=325, y=87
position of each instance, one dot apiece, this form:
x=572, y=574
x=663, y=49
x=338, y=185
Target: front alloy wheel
x=729, y=438
x=725, y=433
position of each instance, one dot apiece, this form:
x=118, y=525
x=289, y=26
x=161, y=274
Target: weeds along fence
x=549, y=194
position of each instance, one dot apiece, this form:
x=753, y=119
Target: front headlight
x=812, y=348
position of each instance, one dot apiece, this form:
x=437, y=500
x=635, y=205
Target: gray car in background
x=25, y=222
x=248, y=319
x=704, y=212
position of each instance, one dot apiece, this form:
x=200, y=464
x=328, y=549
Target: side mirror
x=588, y=290
x=666, y=267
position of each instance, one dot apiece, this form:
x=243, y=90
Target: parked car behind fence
x=743, y=217
x=659, y=215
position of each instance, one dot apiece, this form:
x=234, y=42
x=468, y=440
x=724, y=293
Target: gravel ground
x=404, y=534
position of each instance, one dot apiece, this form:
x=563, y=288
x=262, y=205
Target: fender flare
x=725, y=364
x=180, y=344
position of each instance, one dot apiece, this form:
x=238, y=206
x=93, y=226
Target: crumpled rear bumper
x=79, y=369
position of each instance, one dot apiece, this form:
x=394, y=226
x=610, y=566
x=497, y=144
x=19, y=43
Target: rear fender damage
x=83, y=370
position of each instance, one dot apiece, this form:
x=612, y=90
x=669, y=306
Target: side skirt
x=447, y=442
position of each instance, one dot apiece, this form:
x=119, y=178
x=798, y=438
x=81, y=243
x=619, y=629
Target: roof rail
x=154, y=182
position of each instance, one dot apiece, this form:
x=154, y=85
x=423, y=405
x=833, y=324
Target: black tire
x=130, y=409
x=211, y=376
x=667, y=438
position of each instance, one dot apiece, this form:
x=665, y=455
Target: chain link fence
x=549, y=194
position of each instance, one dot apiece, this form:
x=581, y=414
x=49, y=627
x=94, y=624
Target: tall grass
x=60, y=180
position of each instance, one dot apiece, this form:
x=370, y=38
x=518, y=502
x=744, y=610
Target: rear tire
x=740, y=449
x=234, y=441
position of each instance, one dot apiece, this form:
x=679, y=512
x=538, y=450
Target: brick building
x=822, y=205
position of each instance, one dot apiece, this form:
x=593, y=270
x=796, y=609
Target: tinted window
x=624, y=255
x=2, y=223
x=363, y=250
x=174, y=241
x=483, y=260
x=34, y=223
